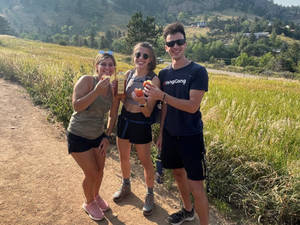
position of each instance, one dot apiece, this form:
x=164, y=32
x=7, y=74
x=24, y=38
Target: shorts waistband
x=133, y=116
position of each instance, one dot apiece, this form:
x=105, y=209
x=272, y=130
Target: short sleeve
x=161, y=77
x=200, y=79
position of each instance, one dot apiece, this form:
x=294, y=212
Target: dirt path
x=41, y=184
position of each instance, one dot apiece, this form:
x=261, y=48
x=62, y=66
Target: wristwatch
x=164, y=101
x=109, y=138
x=143, y=105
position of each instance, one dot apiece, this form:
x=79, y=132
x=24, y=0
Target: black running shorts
x=184, y=152
x=81, y=144
x=134, y=127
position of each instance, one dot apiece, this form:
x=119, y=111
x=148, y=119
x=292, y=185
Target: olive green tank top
x=89, y=123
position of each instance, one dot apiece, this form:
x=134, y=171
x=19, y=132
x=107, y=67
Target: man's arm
x=188, y=105
x=161, y=127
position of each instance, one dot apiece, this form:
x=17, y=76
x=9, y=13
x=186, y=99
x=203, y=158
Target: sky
x=287, y=2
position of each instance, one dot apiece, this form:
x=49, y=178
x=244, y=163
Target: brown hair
x=152, y=64
x=100, y=57
x=174, y=28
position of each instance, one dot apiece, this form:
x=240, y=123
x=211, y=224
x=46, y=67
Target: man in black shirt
x=183, y=85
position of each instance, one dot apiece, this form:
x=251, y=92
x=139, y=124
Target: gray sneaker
x=149, y=204
x=123, y=192
x=181, y=216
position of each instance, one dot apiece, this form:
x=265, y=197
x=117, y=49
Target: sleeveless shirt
x=89, y=123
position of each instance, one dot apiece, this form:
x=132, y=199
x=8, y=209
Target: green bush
x=253, y=186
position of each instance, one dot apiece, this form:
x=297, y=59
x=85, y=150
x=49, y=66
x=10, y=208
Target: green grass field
x=252, y=126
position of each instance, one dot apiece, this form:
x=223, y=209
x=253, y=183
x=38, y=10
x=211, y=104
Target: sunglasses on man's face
x=179, y=42
x=138, y=55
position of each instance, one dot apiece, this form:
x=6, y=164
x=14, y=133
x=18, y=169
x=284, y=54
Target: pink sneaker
x=102, y=204
x=93, y=210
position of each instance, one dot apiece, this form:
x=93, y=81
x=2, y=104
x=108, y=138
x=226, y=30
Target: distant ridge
x=79, y=16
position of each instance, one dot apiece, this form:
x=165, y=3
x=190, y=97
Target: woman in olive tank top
x=87, y=142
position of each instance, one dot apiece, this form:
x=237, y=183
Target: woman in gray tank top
x=133, y=123
x=87, y=142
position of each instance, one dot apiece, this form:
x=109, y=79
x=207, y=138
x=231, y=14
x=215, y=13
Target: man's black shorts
x=184, y=152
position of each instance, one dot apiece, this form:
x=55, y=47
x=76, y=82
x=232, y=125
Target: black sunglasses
x=138, y=55
x=179, y=42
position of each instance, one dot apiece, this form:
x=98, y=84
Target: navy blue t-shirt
x=178, y=83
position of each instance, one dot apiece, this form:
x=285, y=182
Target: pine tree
x=93, y=43
x=142, y=30
x=4, y=26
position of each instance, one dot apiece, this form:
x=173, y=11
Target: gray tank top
x=135, y=82
x=89, y=123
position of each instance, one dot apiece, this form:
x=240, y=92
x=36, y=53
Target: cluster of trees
x=267, y=53
x=138, y=29
x=287, y=60
x=241, y=42
x=5, y=27
x=244, y=25
x=90, y=39
x=230, y=42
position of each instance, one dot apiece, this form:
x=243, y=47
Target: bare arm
x=112, y=116
x=84, y=94
x=163, y=117
x=161, y=127
x=122, y=98
x=150, y=101
x=190, y=105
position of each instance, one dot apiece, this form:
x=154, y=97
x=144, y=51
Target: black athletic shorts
x=184, y=152
x=81, y=144
x=134, y=127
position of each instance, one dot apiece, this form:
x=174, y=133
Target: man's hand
x=153, y=92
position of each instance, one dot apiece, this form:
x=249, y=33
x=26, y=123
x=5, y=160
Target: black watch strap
x=109, y=138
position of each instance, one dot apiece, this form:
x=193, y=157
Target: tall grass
x=252, y=129
x=252, y=126
x=258, y=117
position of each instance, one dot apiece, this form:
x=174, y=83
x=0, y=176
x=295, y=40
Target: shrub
x=253, y=186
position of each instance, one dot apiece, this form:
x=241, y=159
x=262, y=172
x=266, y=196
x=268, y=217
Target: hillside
x=45, y=17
